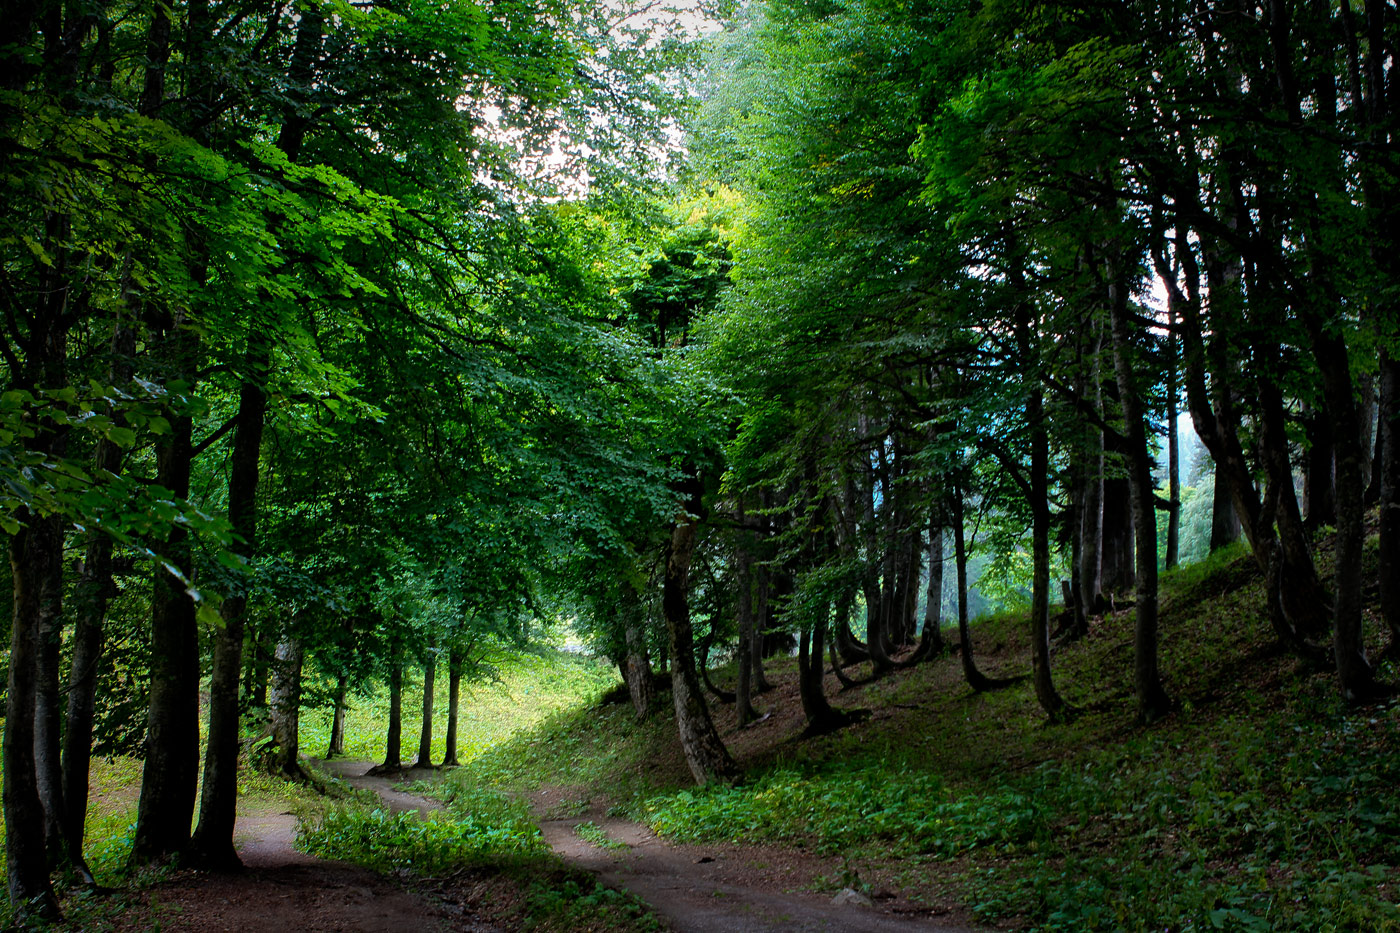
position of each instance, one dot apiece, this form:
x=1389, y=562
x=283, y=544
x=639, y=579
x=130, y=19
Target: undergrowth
x=483, y=830
x=1262, y=803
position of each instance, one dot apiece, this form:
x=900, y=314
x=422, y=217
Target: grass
x=1262, y=803
x=519, y=691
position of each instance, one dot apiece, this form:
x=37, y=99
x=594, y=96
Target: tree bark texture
x=336, y=745
x=1153, y=703
x=171, y=774
x=393, y=737
x=284, y=707
x=35, y=552
x=212, y=845
x=641, y=685
x=454, y=692
x=425, y=732
x=705, y=752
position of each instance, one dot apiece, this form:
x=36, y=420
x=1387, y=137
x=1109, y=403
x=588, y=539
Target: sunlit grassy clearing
x=523, y=690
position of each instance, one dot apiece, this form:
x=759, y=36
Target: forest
x=346, y=343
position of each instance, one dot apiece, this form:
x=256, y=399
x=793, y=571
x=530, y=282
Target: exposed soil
x=696, y=889
x=283, y=889
x=719, y=888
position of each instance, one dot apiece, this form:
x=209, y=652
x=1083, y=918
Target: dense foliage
x=345, y=341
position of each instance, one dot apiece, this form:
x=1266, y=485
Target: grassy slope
x=1260, y=804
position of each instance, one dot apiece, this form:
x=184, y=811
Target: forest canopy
x=341, y=338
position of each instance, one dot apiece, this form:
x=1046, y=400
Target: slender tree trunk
x=1354, y=671
x=1389, y=430
x=931, y=643
x=454, y=688
x=743, y=695
x=48, y=719
x=1153, y=703
x=212, y=845
x=425, y=734
x=336, y=746
x=1173, y=446
x=704, y=751
x=1319, y=475
x=171, y=774
x=393, y=737
x=641, y=684
x=811, y=666
x=95, y=588
x=1091, y=518
x=36, y=552
x=1039, y=482
x=975, y=678
x=764, y=587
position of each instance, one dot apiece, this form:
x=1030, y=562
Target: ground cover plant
x=1263, y=803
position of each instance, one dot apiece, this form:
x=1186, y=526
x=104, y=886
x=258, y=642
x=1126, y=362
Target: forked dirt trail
x=724, y=888
x=709, y=889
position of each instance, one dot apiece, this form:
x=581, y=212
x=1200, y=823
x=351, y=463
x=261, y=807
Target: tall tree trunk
x=36, y=556
x=641, y=685
x=336, y=745
x=393, y=737
x=425, y=733
x=931, y=643
x=1224, y=521
x=284, y=707
x=171, y=774
x=811, y=666
x=95, y=588
x=704, y=751
x=454, y=688
x=212, y=844
x=1173, y=446
x=1354, y=671
x=975, y=678
x=1153, y=703
x=743, y=694
x=1389, y=429
x=1038, y=480
x=1319, y=475
x=1091, y=518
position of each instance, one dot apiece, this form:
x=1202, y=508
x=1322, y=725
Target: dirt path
x=283, y=889
x=697, y=889
x=725, y=889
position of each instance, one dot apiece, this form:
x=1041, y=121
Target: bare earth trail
x=710, y=889
x=283, y=889
x=725, y=888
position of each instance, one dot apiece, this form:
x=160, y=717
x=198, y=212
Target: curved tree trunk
x=704, y=751
x=811, y=666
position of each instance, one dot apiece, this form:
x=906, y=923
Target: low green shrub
x=385, y=840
